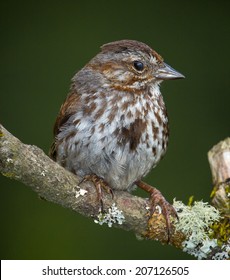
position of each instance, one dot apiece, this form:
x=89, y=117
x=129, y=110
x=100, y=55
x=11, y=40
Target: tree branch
x=29, y=165
x=219, y=160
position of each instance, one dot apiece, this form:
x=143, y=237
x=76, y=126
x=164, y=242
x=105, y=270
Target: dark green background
x=43, y=43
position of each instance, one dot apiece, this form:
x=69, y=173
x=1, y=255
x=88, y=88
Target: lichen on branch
x=31, y=166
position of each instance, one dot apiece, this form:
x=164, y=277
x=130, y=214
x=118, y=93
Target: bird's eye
x=138, y=65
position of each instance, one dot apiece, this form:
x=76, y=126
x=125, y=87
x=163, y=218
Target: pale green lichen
x=9, y=160
x=112, y=216
x=194, y=222
x=225, y=252
x=79, y=192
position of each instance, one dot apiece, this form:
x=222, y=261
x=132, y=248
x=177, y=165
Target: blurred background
x=43, y=44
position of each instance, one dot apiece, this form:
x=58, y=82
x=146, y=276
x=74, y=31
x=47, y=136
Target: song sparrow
x=113, y=126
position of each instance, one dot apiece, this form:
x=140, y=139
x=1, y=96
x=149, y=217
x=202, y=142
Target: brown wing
x=67, y=109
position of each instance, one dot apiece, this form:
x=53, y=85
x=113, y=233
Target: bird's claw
x=99, y=184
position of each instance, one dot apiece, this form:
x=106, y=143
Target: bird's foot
x=100, y=185
x=158, y=200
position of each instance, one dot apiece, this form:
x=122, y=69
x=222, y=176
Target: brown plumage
x=113, y=124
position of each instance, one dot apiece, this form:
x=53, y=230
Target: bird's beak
x=166, y=72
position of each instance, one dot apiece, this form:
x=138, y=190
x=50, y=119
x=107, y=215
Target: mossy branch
x=31, y=166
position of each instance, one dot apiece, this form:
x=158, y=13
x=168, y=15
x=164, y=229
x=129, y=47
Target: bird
x=112, y=128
